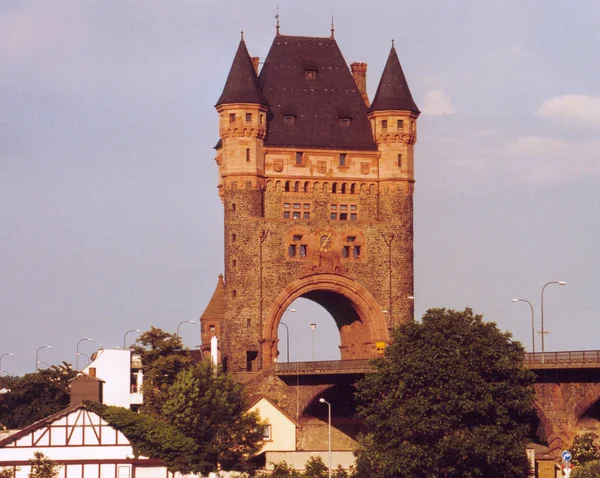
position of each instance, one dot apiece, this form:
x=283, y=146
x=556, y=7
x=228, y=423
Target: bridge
x=581, y=359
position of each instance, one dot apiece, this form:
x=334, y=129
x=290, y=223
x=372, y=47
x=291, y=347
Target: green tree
x=207, y=405
x=36, y=395
x=315, y=468
x=339, y=472
x=450, y=398
x=163, y=356
x=590, y=469
x=43, y=467
x=9, y=472
x=585, y=449
x=280, y=470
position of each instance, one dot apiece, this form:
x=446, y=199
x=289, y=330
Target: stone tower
x=317, y=188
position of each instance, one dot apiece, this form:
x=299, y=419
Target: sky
x=109, y=214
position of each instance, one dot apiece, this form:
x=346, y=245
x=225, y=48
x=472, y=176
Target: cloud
x=581, y=108
x=436, y=103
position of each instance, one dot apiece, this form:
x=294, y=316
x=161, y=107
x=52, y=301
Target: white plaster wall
x=114, y=367
x=283, y=430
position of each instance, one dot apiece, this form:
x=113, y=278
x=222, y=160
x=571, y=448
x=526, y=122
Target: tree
x=590, y=469
x=36, y=395
x=280, y=470
x=43, y=467
x=208, y=406
x=585, y=449
x=163, y=356
x=9, y=472
x=315, y=468
x=450, y=398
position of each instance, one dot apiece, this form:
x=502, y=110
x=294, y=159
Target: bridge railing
x=324, y=366
x=569, y=358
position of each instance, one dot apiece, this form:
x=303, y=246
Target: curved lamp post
x=37, y=355
x=128, y=332
x=322, y=400
x=77, y=354
x=532, y=323
x=184, y=322
x=287, y=335
x=313, y=327
x=4, y=355
x=543, y=331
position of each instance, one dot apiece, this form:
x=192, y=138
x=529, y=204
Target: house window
x=231, y=117
x=266, y=432
x=248, y=117
x=345, y=122
x=399, y=160
x=310, y=74
x=343, y=159
x=288, y=119
x=400, y=124
x=299, y=157
x=247, y=154
x=384, y=124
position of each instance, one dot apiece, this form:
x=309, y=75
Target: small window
x=343, y=159
x=306, y=206
x=356, y=252
x=345, y=122
x=287, y=187
x=297, y=237
x=232, y=117
x=303, y=250
x=400, y=124
x=212, y=330
x=399, y=160
x=234, y=293
x=353, y=216
x=297, y=187
x=345, y=252
x=233, y=207
x=233, y=238
x=266, y=432
x=310, y=74
x=292, y=250
x=288, y=119
x=286, y=214
x=248, y=117
x=343, y=207
x=297, y=205
x=351, y=239
x=412, y=125
x=333, y=216
x=286, y=205
x=248, y=323
x=261, y=119
x=383, y=124
x=234, y=263
x=343, y=216
x=296, y=215
x=247, y=154
x=306, y=215
x=333, y=207
x=334, y=188
x=353, y=207
x=299, y=157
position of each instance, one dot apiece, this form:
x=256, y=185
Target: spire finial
x=392, y=43
x=332, y=27
x=242, y=32
x=277, y=24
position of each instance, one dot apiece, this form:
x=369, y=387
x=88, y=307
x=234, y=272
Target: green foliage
x=449, y=398
x=163, y=356
x=9, y=472
x=585, y=449
x=150, y=436
x=42, y=466
x=280, y=470
x=339, y=472
x=208, y=406
x=35, y=396
x=590, y=469
x=315, y=468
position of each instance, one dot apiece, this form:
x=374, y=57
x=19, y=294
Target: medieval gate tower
x=317, y=186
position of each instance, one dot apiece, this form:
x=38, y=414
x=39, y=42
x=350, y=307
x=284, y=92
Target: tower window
x=306, y=215
x=233, y=207
x=353, y=216
x=297, y=237
x=247, y=154
x=261, y=119
x=303, y=250
x=212, y=330
x=234, y=293
x=400, y=124
x=345, y=252
x=345, y=122
x=343, y=216
x=233, y=238
x=286, y=214
x=234, y=263
x=232, y=117
x=343, y=159
x=333, y=216
x=248, y=323
x=296, y=215
x=383, y=124
x=288, y=120
x=248, y=117
x=299, y=157
x=310, y=74
x=292, y=250
x=351, y=239
x=356, y=252
x=399, y=160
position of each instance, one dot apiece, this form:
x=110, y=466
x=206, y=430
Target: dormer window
x=345, y=122
x=248, y=117
x=310, y=74
x=384, y=124
x=288, y=119
x=400, y=125
x=232, y=117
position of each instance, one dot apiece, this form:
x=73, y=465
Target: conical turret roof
x=242, y=83
x=393, y=92
x=216, y=306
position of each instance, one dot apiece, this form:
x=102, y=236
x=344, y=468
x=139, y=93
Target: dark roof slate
x=316, y=105
x=393, y=92
x=242, y=83
x=216, y=306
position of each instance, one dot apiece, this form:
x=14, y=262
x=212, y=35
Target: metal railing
x=570, y=359
x=324, y=366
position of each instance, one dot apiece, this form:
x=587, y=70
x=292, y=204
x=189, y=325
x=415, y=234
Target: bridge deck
x=581, y=359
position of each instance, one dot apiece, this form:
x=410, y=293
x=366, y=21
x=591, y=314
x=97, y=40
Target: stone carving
x=278, y=165
x=322, y=166
x=365, y=168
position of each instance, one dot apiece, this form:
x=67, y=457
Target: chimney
x=359, y=72
x=255, y=61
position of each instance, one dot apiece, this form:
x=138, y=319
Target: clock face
x=325, y=241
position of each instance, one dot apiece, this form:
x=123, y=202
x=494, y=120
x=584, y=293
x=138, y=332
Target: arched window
x=343, y=188
x=287, y=186
x=353, y=188
x=297, y=186
x=334, y=188
x=306, y=186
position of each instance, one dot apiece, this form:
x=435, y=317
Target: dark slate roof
x=317, y=105
x=393, y=92
x=216, y=306
x=242, y=84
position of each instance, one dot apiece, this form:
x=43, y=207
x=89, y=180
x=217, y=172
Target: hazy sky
x=109, y=214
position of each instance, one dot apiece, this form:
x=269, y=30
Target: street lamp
x=313, y=328
x=287, y=334
x=4, y=355
x=77, y=354
x=532, y=323
x=37, y=354
x=184, y=322
x=128, y=332
x=543, y=331
x=322, y=400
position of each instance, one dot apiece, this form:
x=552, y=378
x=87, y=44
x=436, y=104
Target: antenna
x=277, y=24
x=392, y=43
x=242, y=32
x=332, y=27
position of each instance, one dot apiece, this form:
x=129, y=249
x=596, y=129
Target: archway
x=359, y=318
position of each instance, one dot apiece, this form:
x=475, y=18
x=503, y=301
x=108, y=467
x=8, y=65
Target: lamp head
x=322, y=400
x=562, y=282
x=515, y=300
x=313, y=327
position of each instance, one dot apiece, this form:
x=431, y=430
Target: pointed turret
x=212, y=318
x=242, y=83
x=393, y=92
